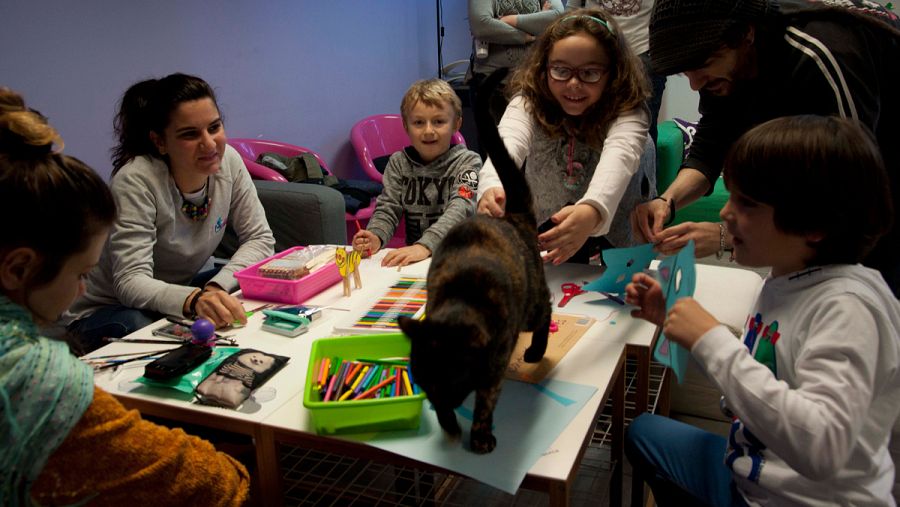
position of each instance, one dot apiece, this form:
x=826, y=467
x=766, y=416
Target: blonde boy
x=431, y=183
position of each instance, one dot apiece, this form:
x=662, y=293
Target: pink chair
x=250, y=149
x=379, y=136
x=374, y=139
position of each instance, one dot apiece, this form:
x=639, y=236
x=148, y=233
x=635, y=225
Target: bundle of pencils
x=116, y=360
x=342, y=380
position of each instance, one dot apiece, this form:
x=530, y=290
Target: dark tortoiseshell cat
x=485, y=285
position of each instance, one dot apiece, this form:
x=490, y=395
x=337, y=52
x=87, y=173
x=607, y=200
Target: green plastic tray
x=362, y=416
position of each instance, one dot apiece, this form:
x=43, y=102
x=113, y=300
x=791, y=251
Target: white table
x=597, y=360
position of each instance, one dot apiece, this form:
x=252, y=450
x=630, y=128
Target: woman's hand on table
x=220, y=307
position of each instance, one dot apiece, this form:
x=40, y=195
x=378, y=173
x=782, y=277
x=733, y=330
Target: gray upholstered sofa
x=299, y=214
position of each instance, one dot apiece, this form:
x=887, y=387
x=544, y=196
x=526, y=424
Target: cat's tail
x=518, y=194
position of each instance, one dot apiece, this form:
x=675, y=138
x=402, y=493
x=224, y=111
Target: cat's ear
x=411, y=327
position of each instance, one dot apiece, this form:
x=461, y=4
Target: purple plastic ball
x=203, y=331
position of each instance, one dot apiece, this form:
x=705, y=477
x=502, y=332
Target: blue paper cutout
x=621, y=265
x=678, y=277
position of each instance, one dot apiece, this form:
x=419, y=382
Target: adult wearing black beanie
x=754, y=60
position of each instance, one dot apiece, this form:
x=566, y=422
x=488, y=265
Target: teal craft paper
x=621, y=265
x=521, y=441
x=678, y=277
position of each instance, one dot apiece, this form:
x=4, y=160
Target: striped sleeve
x=831, y=70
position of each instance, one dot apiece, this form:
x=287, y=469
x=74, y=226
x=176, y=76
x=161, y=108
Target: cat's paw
x=449, y=423
x=482, y=442
x=533, y=354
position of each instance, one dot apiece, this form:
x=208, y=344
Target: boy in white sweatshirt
x=813, y=386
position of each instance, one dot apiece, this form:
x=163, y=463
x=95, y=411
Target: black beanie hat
x=684, y=33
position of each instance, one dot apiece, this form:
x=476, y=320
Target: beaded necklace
x=197, y=212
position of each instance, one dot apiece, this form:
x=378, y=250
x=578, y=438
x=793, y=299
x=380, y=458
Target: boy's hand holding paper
x=678, y=278
x=687, y=321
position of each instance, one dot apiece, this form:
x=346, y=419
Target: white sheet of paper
x=550, y=407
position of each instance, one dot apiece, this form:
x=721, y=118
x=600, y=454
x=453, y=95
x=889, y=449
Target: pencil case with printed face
x=237, y=376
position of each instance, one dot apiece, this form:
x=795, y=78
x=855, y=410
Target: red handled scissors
x=569, y=291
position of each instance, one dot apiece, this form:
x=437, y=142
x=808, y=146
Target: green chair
x=669, y=155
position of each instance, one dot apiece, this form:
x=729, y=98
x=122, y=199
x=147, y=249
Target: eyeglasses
x=587, y=75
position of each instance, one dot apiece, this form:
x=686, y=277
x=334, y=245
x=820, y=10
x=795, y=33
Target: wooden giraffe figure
x=347, y=263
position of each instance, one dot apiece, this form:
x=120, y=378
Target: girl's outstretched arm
x=573, y=226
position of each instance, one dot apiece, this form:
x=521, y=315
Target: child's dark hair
x=821, y=175
x=53, y=203
x=146, y=107
x=626, y=89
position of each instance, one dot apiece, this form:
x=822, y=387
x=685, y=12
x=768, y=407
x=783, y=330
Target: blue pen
x=412, y=381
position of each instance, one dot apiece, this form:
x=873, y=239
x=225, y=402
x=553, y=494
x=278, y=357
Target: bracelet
x=721, y=251
x=722, y=248
x=671, y=202
x=192, y=306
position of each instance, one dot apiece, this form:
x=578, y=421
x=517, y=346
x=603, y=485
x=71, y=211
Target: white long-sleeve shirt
x=608, y=172
x=815, y=389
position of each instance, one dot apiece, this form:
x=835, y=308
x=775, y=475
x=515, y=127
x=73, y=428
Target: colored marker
x=323, y=371
x=360, y=377
x=353, y=372
x=373, y=378
x=412, y=381
x=406, y=383
x=397, y=383
x=371, y=391
x=329, y=388
x=339, y=387
x=399, y=361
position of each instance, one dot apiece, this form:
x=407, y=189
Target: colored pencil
x=339, y=386
x=370, y=392
x=356, y=367
x=329, y=388
x=323, y=372
x=406, y=383
x=359, y=378
x=397, y=362
x=412, y=381
x=373, y=378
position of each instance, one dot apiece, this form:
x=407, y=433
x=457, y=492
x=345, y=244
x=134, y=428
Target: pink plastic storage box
x=293, y=292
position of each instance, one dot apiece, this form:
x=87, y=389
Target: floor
x=316, y=478
x=321, y=479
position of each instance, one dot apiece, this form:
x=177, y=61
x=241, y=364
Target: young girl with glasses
x=578, y=124
x=63, y=440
